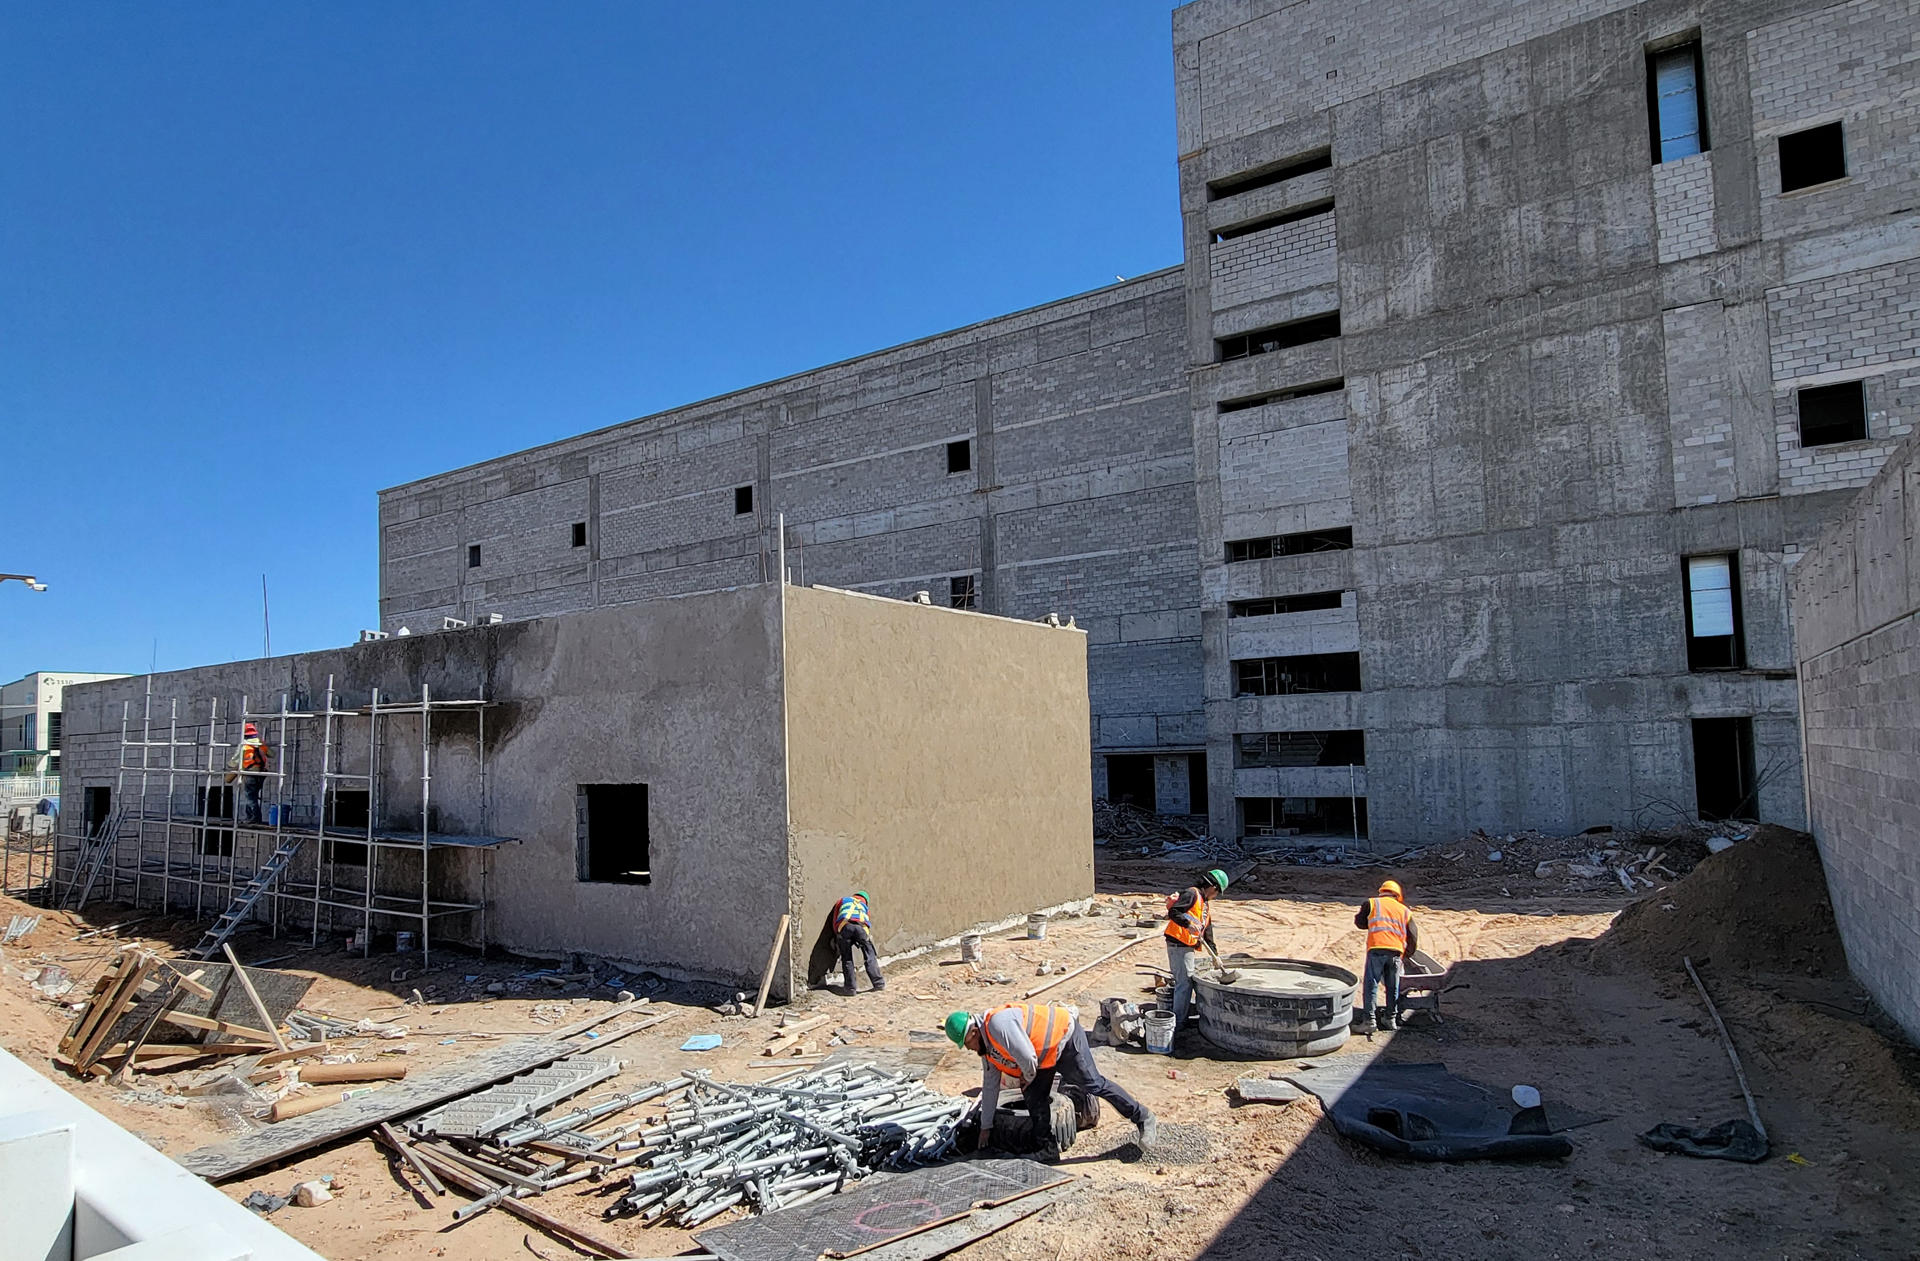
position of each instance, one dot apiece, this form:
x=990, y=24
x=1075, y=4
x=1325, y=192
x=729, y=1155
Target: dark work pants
x=250, y=786
x=1080, y=1076
x=1383, y=969
x=857, y=935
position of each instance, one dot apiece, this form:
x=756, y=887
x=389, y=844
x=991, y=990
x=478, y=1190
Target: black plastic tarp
x=1423, y=1112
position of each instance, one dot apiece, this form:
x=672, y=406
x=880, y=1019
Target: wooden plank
x=217, y=1026
x=600, y=1019
x=267, y=1022
x=89, y=1016
x=773, y=957
x=385, y=1133
x=1068, y=976
x=117, y=1000
x=221, y=1161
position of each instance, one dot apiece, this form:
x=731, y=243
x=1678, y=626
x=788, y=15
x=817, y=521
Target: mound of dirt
x=1761, y=906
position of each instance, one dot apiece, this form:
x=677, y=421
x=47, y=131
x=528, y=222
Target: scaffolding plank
x=880, y=1211
x=280, y=991
x=494, y=1109
x=221, y=1161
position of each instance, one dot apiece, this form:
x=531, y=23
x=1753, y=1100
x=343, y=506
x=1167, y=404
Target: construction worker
x=1033, y=1043
x=1391, y=937
x=853, y=926
x=250, y=764
x=1189, y=923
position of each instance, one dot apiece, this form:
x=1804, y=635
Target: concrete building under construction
x=1454, y=480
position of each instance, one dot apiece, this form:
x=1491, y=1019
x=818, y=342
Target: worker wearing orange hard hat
x=251, y=763
x=1391, y=938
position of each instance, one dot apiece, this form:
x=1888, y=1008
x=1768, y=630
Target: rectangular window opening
x=1335, y=540
x=96, y=804
x=1723, y=777
x=960, y=592
x=1303, y=816
x=579, y=534
x=1261, y=224
x=960, y=455
x=1814, y=156
x=1267, y=606
x=1284, y=396
x=1304, y=673
x=1130, y=780
x=1714, y=632
x=473, y=556
x=1832, y=413
x=1676, y=103
x=1265, y=341
x=347, y=812
x=612, y=832
x=742, y=500
x=1260, y=749
x=1267, y=176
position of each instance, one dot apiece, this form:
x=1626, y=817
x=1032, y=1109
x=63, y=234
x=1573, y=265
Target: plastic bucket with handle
x=1160, y=1032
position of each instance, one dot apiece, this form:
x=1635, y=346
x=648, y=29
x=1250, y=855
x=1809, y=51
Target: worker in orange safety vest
x=1189, y=925
x=250, y=764
x=1033, y=1043
x=1391, y=938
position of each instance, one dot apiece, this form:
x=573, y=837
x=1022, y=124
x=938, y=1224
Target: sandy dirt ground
x=1615, y=1030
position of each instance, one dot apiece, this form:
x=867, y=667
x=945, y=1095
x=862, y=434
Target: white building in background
x=30, y=720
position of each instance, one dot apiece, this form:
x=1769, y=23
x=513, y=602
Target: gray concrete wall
x=939, y=760
x=1566, y=368
x=1856, y=613
x=683, y=695
x=1080, y=498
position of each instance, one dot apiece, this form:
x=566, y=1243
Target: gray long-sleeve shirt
x=1009, y=1028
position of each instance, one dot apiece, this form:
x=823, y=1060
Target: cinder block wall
x=1856, y=614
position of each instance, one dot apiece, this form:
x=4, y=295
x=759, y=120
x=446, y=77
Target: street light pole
x=33, y=584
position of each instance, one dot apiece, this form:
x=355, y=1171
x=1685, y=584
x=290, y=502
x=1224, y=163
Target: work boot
x=879, y=985
x=1381, y=1022
x=1393, y=1021
x=1149, y=1129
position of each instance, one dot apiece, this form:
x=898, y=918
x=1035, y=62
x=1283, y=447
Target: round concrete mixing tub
x=1278, y=1008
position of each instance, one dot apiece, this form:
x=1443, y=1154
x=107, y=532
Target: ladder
x=94, y=852
x=243, y=902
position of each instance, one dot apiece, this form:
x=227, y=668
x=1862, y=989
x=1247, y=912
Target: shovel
x=1226, y=977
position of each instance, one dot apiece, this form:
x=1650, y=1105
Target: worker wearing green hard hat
x=853, y=929
x=1035, y=1044
x=1190, y=926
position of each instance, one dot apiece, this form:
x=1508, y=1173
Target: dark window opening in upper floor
x=1251, y=226
x=742, y=500
x=1316, y=328
x=1306, y=672
x=1266, y=176
x=1832, y=413
x=473, y=556
x=1283, y=396
x=960, y=592
x=1267, y=606
x=1335, y=540
x=1814, y=156
x=579, y=534
x=1676, y=102
x=1260, y=749
x=960, y=455
x=1714, y=634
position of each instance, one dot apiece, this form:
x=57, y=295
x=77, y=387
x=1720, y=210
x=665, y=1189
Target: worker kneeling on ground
x=1189, y=925
x=1034, y=1043
x=853, y=926
x=1391, y=937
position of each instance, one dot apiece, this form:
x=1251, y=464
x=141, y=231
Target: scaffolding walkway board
x=327, y=826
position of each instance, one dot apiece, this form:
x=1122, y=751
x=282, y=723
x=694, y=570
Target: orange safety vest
x=253, y=756
x=850, y=911
x=1047, y=1029
x=1177, y=931
x=1387, y=920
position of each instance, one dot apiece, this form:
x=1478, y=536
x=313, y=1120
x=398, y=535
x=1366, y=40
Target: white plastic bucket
x=970, y=948
x=1036, y=927
x=1160, y=1032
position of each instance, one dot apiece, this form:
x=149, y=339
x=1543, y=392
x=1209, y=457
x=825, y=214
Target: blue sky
x=259, y=261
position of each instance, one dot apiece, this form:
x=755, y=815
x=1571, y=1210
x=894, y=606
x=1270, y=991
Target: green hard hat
x=862, y=895
x=957, y=1027
x=1219, y=879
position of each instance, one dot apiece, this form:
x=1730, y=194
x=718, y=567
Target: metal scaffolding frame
x=207, y=861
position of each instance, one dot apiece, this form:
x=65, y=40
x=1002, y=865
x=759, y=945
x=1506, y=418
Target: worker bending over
x=1189, y=924
x=853, y=926
x=1391, y=937
x=1033, y=1043
x=250, y=764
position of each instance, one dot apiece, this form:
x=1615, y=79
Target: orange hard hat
x=251, y=730
x=1390, y=887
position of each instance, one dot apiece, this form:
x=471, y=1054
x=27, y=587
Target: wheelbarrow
x=1423, y=979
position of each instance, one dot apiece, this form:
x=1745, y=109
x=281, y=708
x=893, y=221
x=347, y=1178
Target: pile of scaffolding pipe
x=777, y=1145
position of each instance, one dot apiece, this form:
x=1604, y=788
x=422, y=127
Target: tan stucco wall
x=938, y=759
